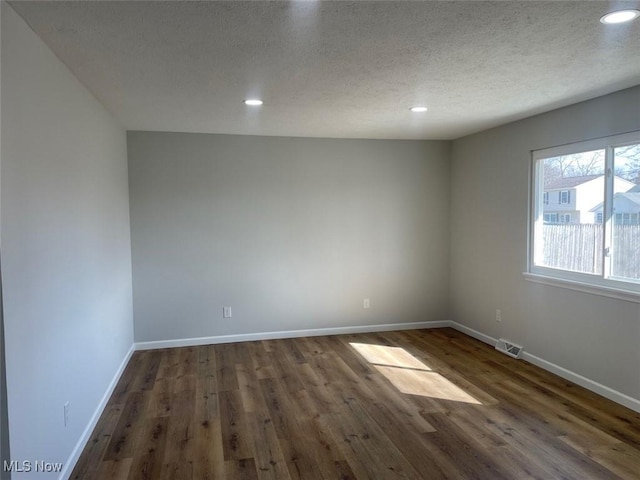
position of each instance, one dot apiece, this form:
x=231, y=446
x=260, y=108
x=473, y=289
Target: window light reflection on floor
x=409, y=375
x=389, y=356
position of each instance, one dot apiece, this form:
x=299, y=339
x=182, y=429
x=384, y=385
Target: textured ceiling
x=338, y=69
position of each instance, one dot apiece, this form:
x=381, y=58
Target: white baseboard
x=606, y=392
x=314, y=332
x=473, y=333
x=86, y=435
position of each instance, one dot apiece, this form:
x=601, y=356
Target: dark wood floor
x=422, y=404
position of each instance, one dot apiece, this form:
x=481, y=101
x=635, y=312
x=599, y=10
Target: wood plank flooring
x=420, y=404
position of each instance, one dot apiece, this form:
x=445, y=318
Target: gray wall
x=293, y=233
x=4, y=419
x=594, y=336
x=66, y=258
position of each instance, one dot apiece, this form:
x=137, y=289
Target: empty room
x=320, y=240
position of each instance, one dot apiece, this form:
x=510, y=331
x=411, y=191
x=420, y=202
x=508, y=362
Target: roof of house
x=635, y=189
x=569, y=182
x=633, y=197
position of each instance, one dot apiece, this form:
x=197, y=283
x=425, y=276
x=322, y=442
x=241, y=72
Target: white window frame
x=562, y=200
x=604, y=284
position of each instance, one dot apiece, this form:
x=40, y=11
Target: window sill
x=604, y=291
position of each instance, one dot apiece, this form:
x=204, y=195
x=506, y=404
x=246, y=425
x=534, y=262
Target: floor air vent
x=509, y=348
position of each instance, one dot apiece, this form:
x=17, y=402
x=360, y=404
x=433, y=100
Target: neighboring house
x=626, y=208
x=574, y=199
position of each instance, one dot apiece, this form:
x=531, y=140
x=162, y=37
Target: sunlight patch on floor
x=409, y=375
x=425, y=384
x=390, y=356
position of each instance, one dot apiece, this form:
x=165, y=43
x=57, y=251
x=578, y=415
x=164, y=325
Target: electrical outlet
x=66, y=413
x=226, y=312
x=498, y=315
x=365, y=303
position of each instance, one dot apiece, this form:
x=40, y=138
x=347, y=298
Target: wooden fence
x=626, y=251
x=578, y=247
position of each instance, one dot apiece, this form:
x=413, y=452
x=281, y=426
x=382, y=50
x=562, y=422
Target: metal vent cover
x=511, y=349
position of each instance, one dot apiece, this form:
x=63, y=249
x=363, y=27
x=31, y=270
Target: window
x=622, y=218
x=598, y=242
x=626, y=218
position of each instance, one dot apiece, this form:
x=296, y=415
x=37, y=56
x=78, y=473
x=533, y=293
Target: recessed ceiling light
x=620, y=16
x=254, y=102
x=418, y=109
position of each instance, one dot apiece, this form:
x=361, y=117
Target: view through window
x=586, y=211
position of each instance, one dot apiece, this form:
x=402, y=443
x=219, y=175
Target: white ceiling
x=338, y=69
